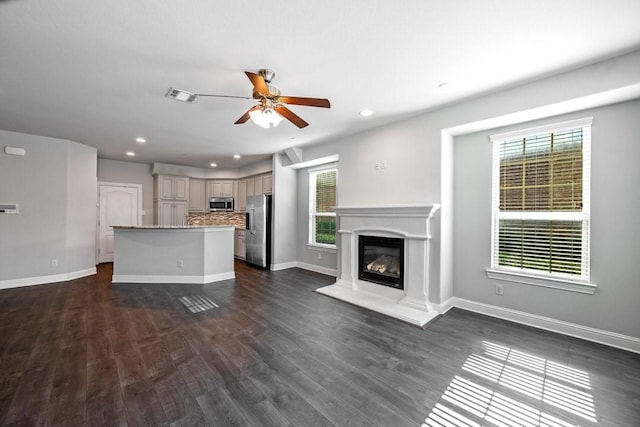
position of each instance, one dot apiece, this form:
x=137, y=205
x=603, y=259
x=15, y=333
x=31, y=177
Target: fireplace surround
x=409, y=223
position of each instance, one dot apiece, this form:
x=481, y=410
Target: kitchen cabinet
x=240, y=248
x=217, y=188
x=257, y=186
x=197, y=195
x=170, y=213
x=241, y=202
x=267, y=184
x=170, y=187
x=252, y=186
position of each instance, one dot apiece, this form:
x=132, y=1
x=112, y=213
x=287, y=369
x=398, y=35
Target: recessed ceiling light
x=213, y=165
x=130, y=153
x=236, y=156
x=366, y=112
x=443, y=86
x=141, y=140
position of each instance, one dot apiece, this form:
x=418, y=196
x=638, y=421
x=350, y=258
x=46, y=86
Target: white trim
x=323, y=167
x=195, y=280
x=315, y=162
x=554, y=127
x=42, y=280
x=318, y=269
x=395, y=211
x=322, y=247
x=600, y=336
x=547, y=282
x=284, y=266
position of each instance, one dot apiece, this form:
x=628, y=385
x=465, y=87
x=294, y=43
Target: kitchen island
x=183, y=254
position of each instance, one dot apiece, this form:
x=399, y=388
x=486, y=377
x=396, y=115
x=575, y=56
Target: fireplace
x=381, y=260
x=395, y=239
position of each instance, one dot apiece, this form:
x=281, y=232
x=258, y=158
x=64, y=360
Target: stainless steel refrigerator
x=258, y=234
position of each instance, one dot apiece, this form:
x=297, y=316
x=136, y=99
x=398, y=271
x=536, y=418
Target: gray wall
x=420, y=161
x=55, y=187
x=615, y=227
x=284, y=215
x=130, y=173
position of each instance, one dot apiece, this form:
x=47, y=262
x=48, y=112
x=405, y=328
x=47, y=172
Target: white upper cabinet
x=217, y=188
x=267, y=184
x=197, y=195
x=169, y=187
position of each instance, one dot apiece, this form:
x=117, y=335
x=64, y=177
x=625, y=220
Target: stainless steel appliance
x=258, y=226
x=221, y=204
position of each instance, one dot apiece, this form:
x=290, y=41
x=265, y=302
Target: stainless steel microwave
x=221, y=204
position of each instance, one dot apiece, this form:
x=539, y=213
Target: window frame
x=534, y=277
x=313, y=173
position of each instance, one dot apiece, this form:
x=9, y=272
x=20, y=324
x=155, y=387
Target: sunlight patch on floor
x=534, y=378
x=197, y=303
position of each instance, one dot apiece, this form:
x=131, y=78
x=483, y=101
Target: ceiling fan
x=271, y=108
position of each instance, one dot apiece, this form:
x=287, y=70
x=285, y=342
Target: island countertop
x=170, y=227
x=176, y=254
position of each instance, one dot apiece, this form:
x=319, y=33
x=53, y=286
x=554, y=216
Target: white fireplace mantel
x=410, y=222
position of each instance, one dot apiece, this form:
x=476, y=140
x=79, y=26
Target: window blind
x=541, y=200
x=322, y=226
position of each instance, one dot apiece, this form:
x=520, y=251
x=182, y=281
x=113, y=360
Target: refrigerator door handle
x=250, y=216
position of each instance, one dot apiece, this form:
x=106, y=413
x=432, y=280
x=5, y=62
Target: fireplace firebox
x=381, y=260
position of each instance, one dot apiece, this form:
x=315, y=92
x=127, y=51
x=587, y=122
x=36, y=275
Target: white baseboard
x=611, y=339
x=318, y=269
x=190, y=280
x=283, y=266
x=42, y=280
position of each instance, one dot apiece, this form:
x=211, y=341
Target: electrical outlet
x=180, y=263
x=377, y=165
x=383, y=164
x=499, y=289
x=54, y=262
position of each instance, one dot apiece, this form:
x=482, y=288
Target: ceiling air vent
x=181, y=95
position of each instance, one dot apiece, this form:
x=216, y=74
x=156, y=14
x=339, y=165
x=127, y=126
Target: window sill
x=322, y=248
x=547, y=282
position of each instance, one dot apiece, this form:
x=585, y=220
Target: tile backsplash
x=217, y=218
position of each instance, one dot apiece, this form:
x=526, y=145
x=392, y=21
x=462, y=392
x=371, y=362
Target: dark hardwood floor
x=267, y=351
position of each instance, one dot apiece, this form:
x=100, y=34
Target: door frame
x=98, y=207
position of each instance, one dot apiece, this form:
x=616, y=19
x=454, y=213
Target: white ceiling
x=96, y=72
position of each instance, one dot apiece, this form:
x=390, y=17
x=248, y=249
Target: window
x=541, y=202
x=322, y=200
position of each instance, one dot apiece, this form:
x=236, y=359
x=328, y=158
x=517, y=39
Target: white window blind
x=322, y=201
x=541, y=200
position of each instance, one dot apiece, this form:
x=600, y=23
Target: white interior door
x=119, y=205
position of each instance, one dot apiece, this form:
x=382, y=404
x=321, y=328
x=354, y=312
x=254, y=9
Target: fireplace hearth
x=381, y=260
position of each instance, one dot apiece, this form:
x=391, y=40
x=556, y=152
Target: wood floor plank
x=104, y=395
x=274, y=352
x=143, y=407
x=220, y=409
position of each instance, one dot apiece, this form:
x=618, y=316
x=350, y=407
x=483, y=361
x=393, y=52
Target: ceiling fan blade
x=258, y=82
x=291, y=116
x=311, y=102
x=246, y=116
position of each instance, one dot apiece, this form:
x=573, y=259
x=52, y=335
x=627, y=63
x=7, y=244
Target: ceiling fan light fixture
x=265, y=117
